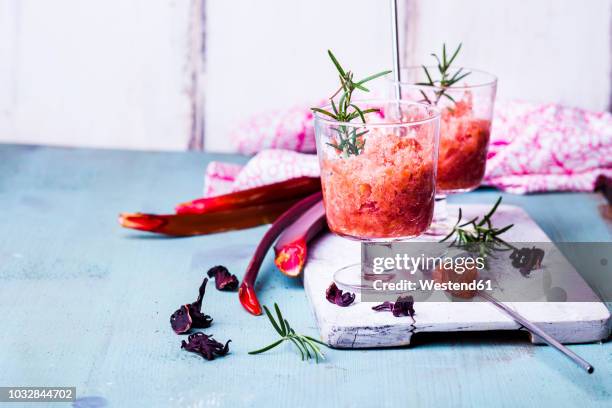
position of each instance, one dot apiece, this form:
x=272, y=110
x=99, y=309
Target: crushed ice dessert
x=385, y=191
x=464, y=140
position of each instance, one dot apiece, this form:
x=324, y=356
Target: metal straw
x=396, y=52
x=539, y=332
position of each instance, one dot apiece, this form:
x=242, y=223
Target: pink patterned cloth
x=290, y=129
x=266, y=167
x=534, y=147
x=548, y=147
x=219, y=178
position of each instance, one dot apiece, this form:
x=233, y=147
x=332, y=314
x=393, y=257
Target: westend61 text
x=428, y=285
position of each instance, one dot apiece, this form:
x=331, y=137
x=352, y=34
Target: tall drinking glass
x=379, y=177
x=465, y=125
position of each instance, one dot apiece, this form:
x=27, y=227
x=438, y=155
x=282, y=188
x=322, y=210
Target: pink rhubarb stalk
x=182, y=225
x=246, y=293
x=291, y=247
x=294, y=188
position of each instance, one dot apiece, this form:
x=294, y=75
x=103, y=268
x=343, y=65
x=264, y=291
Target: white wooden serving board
x=358, y=326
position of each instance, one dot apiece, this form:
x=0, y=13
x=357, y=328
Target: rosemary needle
x=307, y=346
x=446, y=80
x=479, y=235
x=350, y=142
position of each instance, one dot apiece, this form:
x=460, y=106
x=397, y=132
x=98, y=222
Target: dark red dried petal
x=403, y=306
x=338, y=297
x=189, y=316
x=385, y=306
x=330, y=293
x=198, y=303
x=200, y=320
x=205, y=346
x=181, y=320
x=223, y=279
x=345, y=299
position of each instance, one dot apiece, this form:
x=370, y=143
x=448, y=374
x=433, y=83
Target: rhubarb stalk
x=291, y=247
x=282, y=191
x=182, y=225
x=246, y=293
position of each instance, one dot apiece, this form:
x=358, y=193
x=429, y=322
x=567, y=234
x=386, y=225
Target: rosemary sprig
x=446, y=80
x=479, y=235
x=350, y=141
x=307, y=345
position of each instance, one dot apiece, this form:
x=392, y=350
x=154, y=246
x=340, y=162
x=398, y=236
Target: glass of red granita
x=465, y=125
x=379, y=177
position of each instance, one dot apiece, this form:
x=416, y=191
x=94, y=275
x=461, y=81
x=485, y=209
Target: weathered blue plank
x=86, y=303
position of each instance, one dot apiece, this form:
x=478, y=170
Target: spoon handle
x=540, y=333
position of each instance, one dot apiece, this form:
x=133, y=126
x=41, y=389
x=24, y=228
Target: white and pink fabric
x=289, y=129
x=534, y=147
x=266, y=167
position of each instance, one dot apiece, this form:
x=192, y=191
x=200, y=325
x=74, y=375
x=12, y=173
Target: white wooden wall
x=541, y=50
x=107, y=73
x=135, y=74
x=266, y=54
x=271, y=53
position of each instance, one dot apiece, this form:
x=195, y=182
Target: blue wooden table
x=85, y=303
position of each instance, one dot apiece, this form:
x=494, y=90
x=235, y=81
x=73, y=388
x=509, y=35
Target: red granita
x=378, y=162
x=465, y=97
x=463, y=147
x=387, y=191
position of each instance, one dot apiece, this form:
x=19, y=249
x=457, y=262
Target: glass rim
x=434, y=115
x=492, y=78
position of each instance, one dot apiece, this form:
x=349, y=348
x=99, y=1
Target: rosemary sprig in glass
x=446, y=80
x=307, y=345
x=479, y=235
x=350, y=141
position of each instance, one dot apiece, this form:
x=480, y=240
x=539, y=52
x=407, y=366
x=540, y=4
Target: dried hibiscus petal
x=403, y=306
x=385, y=306
x=181, y=320
x=190, y=316
x=205, y=346
x=338, y=297
x=223, y=279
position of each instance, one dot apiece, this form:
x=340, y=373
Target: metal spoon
x=539, y=332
